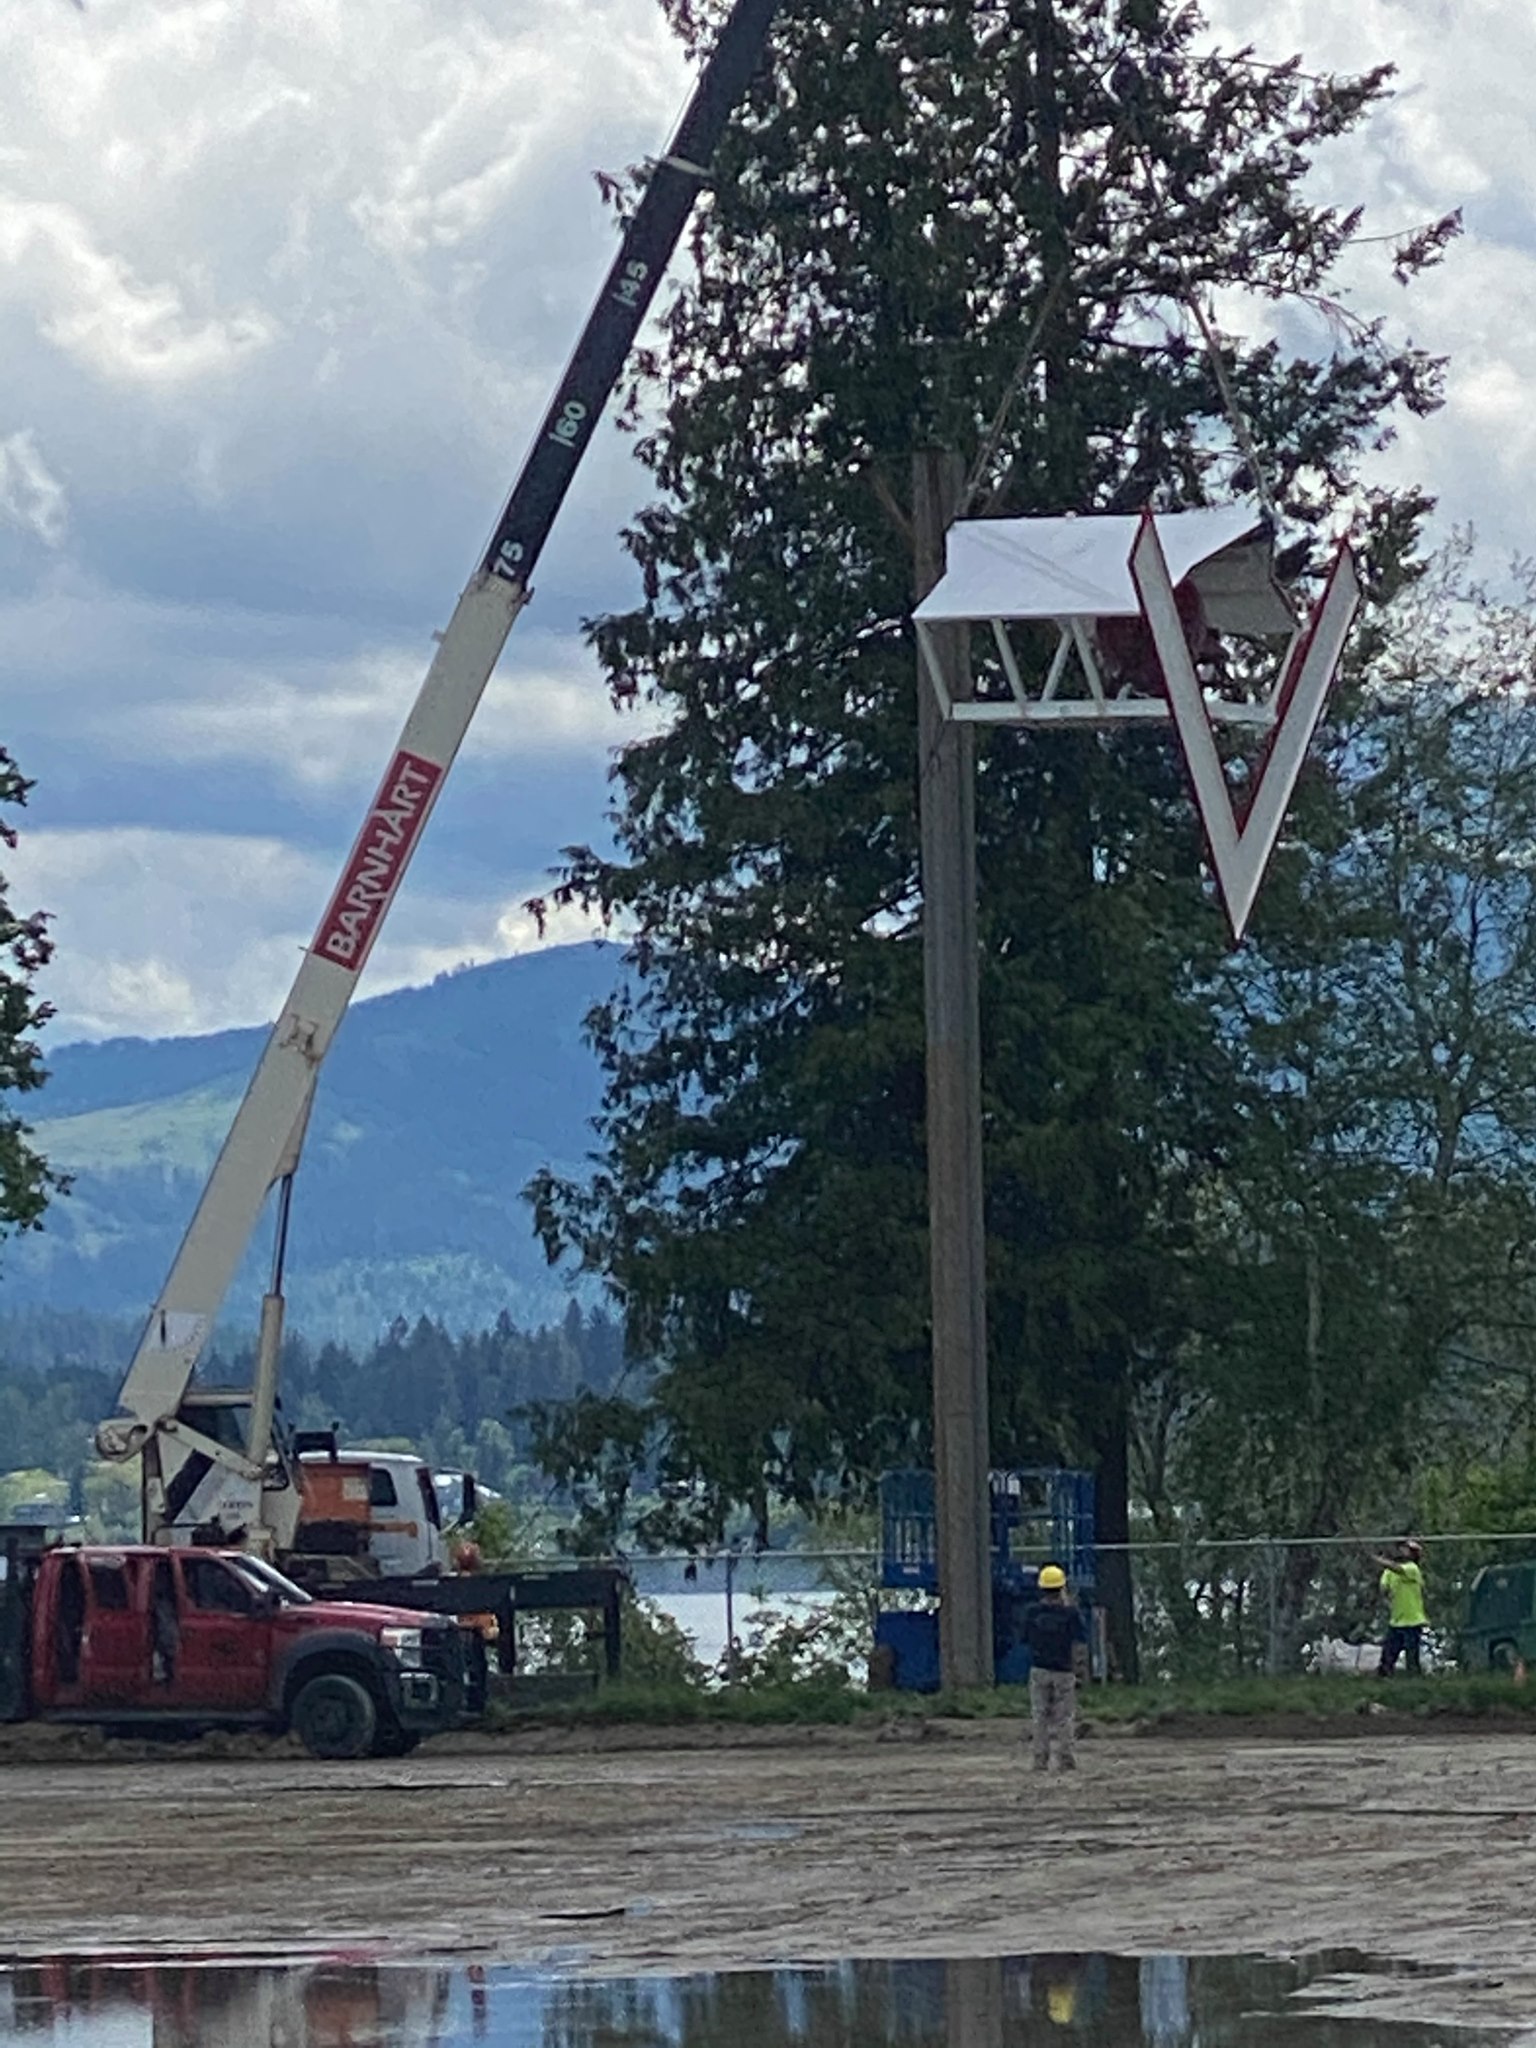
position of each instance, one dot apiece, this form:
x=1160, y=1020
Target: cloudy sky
x=283, y=288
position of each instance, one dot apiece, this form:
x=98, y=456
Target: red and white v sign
x=1240, y=847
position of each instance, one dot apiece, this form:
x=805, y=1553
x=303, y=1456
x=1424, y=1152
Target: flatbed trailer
x=587, y=1589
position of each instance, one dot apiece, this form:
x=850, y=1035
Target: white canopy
x=1080, y=568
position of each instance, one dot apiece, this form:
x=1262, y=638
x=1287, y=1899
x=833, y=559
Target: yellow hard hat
x=1052, y=1578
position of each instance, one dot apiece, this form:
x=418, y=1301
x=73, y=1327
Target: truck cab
x=380, y=1507
x=1499, y=1633
x=139, y=1637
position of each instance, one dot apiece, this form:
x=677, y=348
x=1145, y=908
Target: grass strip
x=820, y=1703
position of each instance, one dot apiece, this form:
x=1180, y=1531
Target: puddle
x=747, y=1831
x=349, y=2001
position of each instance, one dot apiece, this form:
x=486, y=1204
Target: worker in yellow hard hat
x=1061, y=2004
x=1058, y=1647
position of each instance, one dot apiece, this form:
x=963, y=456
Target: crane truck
x=218, y=1469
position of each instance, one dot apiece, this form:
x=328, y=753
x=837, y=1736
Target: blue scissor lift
x=1040, y=1514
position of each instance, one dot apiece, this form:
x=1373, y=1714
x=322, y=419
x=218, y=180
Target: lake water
x=1066, y=2001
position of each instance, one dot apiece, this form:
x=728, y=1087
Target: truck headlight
x=404, y=1644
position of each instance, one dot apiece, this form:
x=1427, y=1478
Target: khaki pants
x=1053, y=1715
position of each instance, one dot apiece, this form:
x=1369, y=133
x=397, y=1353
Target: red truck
x=137, y=1638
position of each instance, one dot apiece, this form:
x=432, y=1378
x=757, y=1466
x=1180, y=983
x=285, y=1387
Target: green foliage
x=817, y=1649
x=593, y=1447
x=105, y=1496
x=34, y=1484
x=26, y=1181
x=46, y=1419
x=1313, y=1699
x=1369, y=1241
x=453, y=1399
x=1340, y=1704
x=506, y=1532
x=109, y=1498
x=657, y=1651
x=1494, y=1497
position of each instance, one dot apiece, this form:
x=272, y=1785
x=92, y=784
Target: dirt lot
x=650, y=1851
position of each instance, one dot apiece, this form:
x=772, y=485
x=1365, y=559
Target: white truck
x=379, y=1510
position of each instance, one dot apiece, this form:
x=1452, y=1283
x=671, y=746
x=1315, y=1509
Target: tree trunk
x=1293, y=1577
x=1112, y=1459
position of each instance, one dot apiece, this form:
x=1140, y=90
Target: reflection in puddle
x=1025, y=2002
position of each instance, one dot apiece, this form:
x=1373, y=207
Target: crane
x=214, y=1459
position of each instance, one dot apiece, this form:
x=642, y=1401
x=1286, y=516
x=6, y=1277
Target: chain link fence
x=1205, y=1609
x=816, y=1607
x=1208, y=1609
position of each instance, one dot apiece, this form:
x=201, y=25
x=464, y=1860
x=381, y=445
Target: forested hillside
x=436, y=1108
x=451, y=1397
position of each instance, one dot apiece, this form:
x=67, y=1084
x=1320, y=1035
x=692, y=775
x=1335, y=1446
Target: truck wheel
x=334, y=1716
x=393, y=1740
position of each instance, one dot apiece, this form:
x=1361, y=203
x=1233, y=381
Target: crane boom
x=263, y=1140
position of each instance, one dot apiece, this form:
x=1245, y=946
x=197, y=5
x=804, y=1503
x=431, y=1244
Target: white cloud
x=31, y=497
x=264, y=258
x=172, y=684
x=283, y=288
x=168, y=932
x=519, y=931
x=89, y=302
x=163, y=931
x=321, y=726
x=1455, y=133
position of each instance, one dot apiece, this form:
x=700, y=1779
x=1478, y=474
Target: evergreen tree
x=993, y=228
x=26, y=1181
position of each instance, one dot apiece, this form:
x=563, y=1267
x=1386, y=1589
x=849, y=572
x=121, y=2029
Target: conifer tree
x=996, y=228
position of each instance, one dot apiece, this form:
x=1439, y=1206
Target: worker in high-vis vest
x=1402, y=1581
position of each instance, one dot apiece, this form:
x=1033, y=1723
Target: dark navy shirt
x=1051, y=1629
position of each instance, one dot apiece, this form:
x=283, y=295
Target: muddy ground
x=624, y=1851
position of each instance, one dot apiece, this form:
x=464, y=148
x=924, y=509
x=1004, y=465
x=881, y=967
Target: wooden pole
x=973, y=2003
x=957, y=1242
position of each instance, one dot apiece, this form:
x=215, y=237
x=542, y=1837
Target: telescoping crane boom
x=264, y=1141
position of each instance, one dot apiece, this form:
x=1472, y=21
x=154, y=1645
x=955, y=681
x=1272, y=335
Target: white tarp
x=1080, y=568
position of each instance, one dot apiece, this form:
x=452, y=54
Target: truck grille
x=449, y=1653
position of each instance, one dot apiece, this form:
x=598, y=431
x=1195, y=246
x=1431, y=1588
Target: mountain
x=433, y=1110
